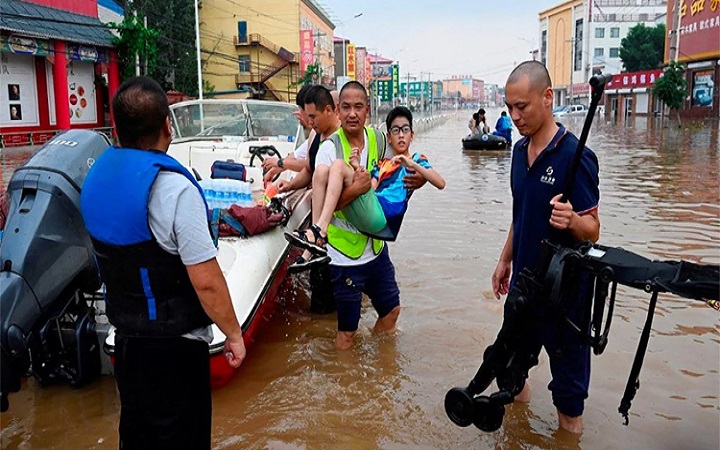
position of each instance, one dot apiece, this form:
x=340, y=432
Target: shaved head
x=536, y=73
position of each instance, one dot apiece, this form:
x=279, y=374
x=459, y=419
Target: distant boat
x=485, y=142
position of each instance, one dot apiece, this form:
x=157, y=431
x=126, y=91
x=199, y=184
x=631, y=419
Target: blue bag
x=228, y=169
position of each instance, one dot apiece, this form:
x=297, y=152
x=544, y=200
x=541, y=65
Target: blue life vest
x=148, y=290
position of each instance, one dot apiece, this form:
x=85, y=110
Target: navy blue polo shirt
x=534, y=186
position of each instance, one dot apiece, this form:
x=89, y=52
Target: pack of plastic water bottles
x=223, y=193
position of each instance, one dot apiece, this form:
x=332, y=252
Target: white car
x=570, y=110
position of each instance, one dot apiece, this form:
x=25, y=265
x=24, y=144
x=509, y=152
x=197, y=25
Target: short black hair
x=503, y=113
x=140, y=109
x=354, y=85
x=536, y=72
x=481, y=111
x=300, y=97
x=398, y=111
x=320, y=97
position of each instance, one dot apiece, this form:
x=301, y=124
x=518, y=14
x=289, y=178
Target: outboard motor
x=48, y=275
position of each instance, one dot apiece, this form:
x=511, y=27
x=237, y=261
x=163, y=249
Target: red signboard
x=699, y=30
x=634, y=79
x=360, y=57
x=307, y=46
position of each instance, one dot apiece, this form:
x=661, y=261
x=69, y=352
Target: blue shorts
x=375, y=278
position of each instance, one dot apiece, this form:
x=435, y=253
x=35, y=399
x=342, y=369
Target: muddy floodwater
x=659, y=198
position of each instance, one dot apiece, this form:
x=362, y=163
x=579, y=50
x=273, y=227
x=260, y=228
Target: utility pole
x=422, y=94
x=675, y=33
x=317, y=53
x=572, y=68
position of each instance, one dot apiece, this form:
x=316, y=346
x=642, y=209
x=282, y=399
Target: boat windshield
x=242, y=119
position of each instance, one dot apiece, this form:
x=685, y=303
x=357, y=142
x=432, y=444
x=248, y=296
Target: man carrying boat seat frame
x=147, y=219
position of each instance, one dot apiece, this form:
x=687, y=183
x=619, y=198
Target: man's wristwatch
x=280, y=163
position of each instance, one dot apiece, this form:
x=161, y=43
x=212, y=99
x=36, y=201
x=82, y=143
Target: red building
x=699, y=50
x=55, y=56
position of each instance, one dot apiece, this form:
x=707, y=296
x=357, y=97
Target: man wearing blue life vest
x=540, y=164
x=503, y=127
x=148, y=222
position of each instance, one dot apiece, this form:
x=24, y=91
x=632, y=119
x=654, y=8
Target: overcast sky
x=449, y=37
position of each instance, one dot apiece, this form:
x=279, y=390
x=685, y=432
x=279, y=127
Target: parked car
x=570, y=110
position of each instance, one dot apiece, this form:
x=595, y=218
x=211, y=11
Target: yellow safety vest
x=342, y=235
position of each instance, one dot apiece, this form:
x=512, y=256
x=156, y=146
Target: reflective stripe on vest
x=342, y=235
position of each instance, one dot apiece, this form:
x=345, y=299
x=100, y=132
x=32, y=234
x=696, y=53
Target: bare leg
x=320, y=182
x=388, y=323
x=571, y=424
x=344, y=340
x=525, y=394
x=329, y=183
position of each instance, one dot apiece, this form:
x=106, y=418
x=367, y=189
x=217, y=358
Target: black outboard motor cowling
x=46, y=264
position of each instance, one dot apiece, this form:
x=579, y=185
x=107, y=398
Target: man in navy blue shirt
x=540, y=164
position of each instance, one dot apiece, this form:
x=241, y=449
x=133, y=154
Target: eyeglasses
x=396, y=130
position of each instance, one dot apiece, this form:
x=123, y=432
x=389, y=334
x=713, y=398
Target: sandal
x=299, y=238
x=301, y=264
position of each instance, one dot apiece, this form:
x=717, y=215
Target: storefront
x=629, y=94
x=53, y=77
x=699, y=50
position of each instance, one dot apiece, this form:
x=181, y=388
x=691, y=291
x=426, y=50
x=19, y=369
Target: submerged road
x=659, y=198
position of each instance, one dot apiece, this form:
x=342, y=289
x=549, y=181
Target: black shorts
x=164, y=386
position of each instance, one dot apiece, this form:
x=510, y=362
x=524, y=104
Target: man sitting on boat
x=478, y=123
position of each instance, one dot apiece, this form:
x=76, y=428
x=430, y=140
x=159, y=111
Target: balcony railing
x=256, y=39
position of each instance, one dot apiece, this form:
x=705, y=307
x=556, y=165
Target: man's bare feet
x=524, y=395
x=571, y=424
x=388, y=323
x=344, y=340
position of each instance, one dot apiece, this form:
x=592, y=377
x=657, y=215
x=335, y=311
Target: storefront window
x=702, y=88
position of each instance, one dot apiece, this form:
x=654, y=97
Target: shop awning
x=43, y=22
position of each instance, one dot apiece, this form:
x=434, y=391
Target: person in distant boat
x=478, y=123
x=540, y=162
x=503, y=127
x=358, y=263
x=164, y=288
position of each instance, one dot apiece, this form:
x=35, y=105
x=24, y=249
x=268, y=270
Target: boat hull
x=485, y=142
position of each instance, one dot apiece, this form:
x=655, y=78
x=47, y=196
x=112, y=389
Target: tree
x=313, y=75
x=135, y=39
x=175, y=65
x=671, y=88
x=643, y=48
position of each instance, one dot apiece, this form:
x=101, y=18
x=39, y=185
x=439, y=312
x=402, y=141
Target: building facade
x=58, y=68
x=699, y=50
x=579, y=38
x=463, y=90
x=611, y=21
x=264, y=47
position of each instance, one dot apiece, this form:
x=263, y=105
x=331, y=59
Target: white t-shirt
x=302, y=151
x=325, y=156
x=178, y=221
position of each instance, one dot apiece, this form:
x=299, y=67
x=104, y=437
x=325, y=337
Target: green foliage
x=643, y=48
x=135, y=39
x=208, y=87
x=175, y=66
x=671, y=88
x=313, y=75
